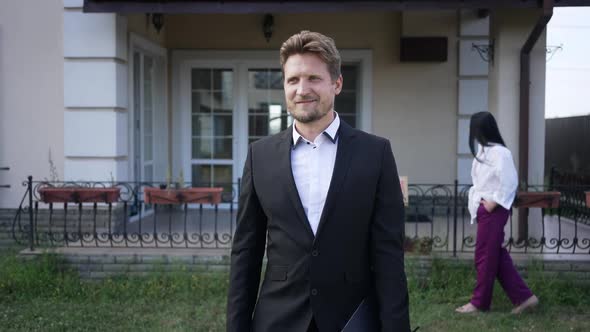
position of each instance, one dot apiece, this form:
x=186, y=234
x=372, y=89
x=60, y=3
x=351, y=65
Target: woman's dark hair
x=483, y=129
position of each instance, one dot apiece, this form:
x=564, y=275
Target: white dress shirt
x=313, y=164
x=494, y=178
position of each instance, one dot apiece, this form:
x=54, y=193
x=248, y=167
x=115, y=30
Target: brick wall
x=577, y=269
x=98, y=266
x=6, y=218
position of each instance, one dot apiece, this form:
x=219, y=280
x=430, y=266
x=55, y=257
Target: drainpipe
x=525, y=77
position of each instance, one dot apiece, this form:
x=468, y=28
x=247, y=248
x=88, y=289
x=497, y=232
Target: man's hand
x=489, y=205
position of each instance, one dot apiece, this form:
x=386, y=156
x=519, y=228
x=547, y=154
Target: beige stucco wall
x=141, y=25
x=414, y=105
x=31, y=92
x=417, y=103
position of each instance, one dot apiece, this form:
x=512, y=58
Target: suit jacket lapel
x=284, y=160
x=341, y=166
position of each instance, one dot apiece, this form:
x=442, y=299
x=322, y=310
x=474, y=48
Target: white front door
x=148, y=116
x=212, y=109
x=143, y=117
x=229, y=105
x=225, y=103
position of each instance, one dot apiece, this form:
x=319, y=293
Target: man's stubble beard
x=309, y=117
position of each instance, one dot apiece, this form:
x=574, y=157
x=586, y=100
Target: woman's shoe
x=467, y=309
x=529, y=304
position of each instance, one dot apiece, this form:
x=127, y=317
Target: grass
x=40, y=296
x=564, y=303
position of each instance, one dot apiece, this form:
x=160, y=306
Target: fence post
x=455, y=218
x=30, y=191
x=552, y=178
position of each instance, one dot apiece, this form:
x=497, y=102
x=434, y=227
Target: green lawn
x=37, y=296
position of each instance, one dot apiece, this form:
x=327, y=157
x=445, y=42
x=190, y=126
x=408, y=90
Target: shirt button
x=315, y=253
x=314, y=292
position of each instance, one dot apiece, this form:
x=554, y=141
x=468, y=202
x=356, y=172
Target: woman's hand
x=489, y=205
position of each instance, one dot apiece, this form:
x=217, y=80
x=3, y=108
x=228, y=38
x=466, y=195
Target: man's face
x=309, y=89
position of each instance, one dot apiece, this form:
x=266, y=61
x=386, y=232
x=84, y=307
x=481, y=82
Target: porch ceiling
x=266, y=6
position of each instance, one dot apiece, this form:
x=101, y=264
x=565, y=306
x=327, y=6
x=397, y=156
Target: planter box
x=79, y=195
x=181, y=196
x=588, y=199
x=543, y=199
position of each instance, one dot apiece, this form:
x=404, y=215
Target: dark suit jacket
x=357, y=248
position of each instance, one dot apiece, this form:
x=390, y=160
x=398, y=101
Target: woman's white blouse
x=494, y=178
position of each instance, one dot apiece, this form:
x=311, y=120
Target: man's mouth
x=305, y=101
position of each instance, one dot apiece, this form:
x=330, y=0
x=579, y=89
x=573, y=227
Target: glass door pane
x=212, y=109
x=346, y=103
x=137, y=117
x=144, y=110
x=267, y=111
x=147, y=119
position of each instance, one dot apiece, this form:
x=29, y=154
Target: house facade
x=114, y=90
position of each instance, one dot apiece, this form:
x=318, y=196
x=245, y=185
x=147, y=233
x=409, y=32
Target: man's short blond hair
x=315, y=43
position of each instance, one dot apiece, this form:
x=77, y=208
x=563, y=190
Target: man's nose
x=302, y=88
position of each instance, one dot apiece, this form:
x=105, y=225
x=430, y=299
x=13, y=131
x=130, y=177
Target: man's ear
x=338, y=84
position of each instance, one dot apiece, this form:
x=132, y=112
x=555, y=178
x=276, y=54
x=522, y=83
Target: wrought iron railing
x=86, y=214
x=437, y=220
x=573, y=198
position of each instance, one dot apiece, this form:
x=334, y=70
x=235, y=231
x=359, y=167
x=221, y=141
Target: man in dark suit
x=325, y=201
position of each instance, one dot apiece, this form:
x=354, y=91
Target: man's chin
x=308, y=116
x=305, y=119
x=305, y=116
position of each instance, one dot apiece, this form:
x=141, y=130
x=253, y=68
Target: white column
x=95, y=95
x=472, y=83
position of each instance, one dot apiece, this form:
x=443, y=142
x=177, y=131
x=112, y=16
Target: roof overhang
x=262, y=6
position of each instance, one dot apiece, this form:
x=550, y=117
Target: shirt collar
x=331, y=132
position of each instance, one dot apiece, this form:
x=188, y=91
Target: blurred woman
x=490, y=200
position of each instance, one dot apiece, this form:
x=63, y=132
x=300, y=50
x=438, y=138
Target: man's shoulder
x=267, y=142
x=369, y=138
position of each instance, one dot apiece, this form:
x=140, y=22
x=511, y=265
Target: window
x=212, y=126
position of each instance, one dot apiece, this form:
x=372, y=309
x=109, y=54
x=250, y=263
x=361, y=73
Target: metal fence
x=437, y=220
x=125, y=220
x=573, y=187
